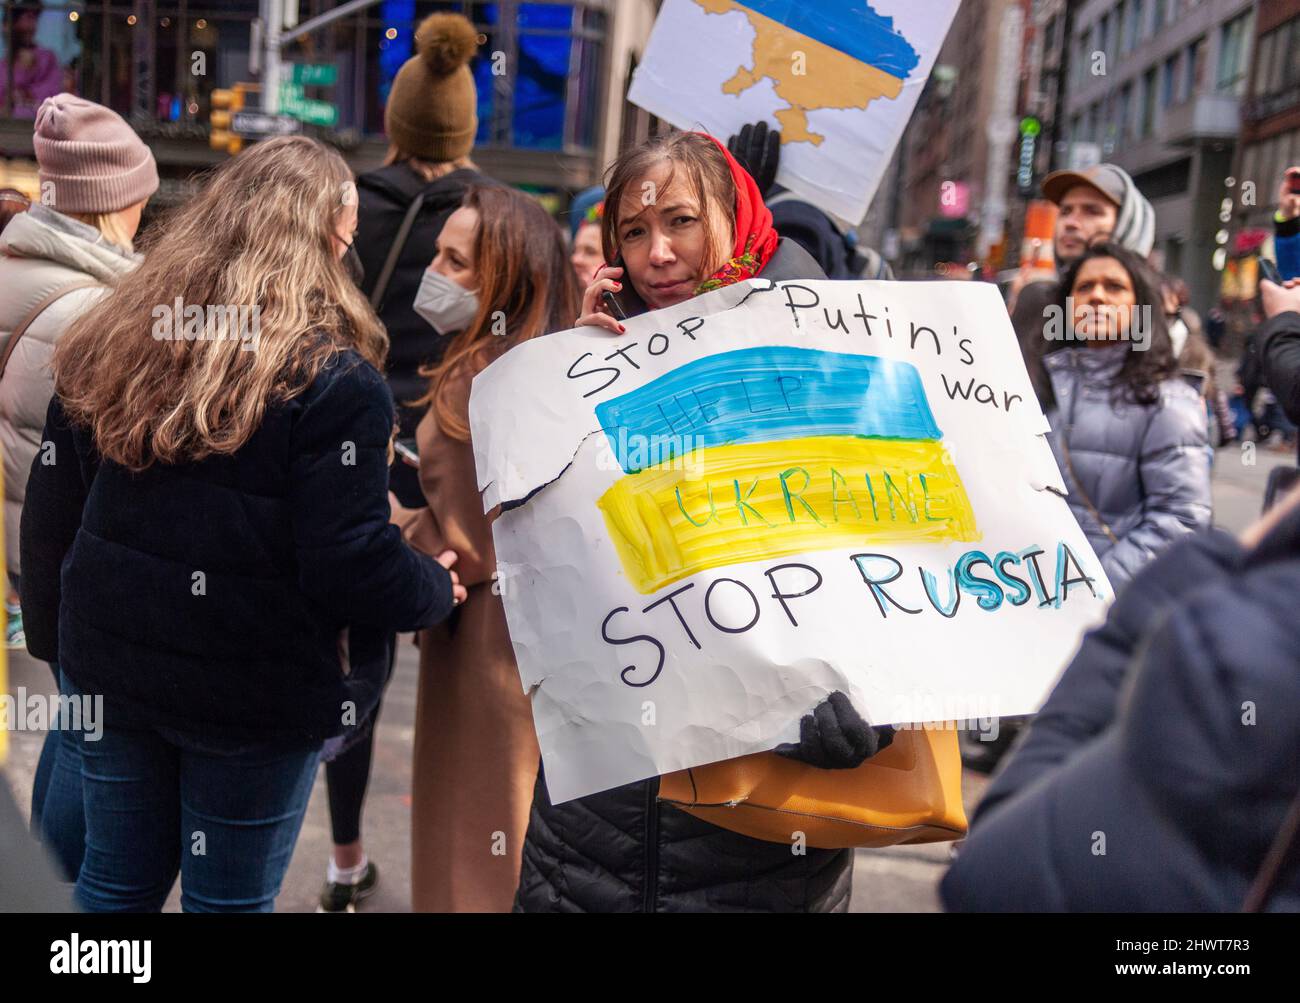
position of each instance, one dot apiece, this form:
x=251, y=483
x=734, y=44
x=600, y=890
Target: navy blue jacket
x=210, y=596
x=1159, y=771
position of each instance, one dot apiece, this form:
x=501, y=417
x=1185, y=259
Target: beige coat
x=476, y=753
x=41, y=251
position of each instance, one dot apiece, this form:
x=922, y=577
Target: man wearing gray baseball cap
x=1096, y=203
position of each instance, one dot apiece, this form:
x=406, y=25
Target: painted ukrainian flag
x=773, y=451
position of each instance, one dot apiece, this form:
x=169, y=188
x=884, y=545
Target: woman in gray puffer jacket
x=1128, y=432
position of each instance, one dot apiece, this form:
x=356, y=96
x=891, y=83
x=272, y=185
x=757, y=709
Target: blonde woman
x=56, y=261
x=219, y=511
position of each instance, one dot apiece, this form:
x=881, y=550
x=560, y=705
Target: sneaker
x=335, y=897
x=15, y=638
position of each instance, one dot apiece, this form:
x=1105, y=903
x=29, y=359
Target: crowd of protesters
x=320, y=493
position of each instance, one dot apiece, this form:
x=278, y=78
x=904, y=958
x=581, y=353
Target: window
x=1148, y=103
x=1137, y=30
x=1195, y=67
x=548, y=97
x=1125, y=111
x=1169, y=82
x=1110, y=130
x=1267, y=72
x=1234, y=46
x=1277, y=66
x=1122, y=27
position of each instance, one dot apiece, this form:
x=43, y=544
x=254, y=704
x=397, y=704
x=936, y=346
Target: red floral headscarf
x=755, y=237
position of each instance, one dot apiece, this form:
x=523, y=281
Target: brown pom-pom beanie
x=432, y=107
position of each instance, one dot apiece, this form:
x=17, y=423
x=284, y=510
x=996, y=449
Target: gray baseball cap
x=1106, y=178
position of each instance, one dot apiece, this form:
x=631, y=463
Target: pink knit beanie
x=94, y=159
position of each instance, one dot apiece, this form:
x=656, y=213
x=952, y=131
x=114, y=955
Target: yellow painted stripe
x=747, y=502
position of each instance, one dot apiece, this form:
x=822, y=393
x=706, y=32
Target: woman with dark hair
x=430, y=119
x=501, y=276
x=703, y=226
x=1129, y=434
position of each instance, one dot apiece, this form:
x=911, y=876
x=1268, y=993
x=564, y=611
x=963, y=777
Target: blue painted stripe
x=764, y=394
x=851, y=26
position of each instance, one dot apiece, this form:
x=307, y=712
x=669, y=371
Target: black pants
x=348, y=774
x=346, y=779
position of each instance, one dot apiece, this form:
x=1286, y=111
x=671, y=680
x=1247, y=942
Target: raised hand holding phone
x=596, y=309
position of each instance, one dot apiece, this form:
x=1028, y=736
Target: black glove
x=835, y=737
x=758, y=149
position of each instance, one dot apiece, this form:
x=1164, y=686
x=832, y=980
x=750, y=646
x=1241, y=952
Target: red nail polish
x=622, y=329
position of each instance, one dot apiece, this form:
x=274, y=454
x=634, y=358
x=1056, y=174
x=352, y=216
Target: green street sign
x=315, y=74
x=317, y=113
x=292, y=102
x=291, y=96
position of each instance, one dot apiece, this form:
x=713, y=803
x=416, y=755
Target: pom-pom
x=446, y=42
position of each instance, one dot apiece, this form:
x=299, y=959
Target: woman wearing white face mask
x=445, y=298
x=501, y=276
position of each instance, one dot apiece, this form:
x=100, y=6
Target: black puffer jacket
x=624, y=851
x=209, y=596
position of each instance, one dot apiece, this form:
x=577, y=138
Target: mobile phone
x=405, y=448
x=610, y=298
x=1293, y=182
x=1268, y=270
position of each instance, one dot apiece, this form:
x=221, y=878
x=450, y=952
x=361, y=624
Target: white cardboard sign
x=765, y=494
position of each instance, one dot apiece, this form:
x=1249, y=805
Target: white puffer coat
x=42, y=251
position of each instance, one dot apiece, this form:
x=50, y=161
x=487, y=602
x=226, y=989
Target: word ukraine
x=795, y=450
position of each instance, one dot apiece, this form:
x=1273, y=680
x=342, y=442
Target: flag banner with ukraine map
x=839, y=78
x=765, y=494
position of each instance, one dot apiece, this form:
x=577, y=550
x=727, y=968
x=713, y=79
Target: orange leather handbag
x=908, y=793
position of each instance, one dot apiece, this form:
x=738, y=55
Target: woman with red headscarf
x=682, y=217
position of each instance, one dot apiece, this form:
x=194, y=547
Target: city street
x=902, y=879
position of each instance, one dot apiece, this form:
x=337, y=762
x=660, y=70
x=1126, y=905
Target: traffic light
x=224, y=105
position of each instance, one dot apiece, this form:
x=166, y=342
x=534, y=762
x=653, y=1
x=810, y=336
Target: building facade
x=1270, y=130
x=1157, y=86
x=944, y=150
x=551, y=77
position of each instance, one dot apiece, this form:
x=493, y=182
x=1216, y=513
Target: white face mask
x=1178, y=335
x=446, y=306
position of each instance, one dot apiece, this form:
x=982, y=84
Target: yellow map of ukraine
x=851, y=56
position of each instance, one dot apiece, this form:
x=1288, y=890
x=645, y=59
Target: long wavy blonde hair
x=258, y=237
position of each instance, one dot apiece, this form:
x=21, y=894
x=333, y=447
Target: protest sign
x=765, y=494
x=838, y=78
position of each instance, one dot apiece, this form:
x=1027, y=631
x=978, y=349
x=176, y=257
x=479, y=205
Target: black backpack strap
x=395, y=252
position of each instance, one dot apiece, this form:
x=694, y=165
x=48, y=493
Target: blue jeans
x=159, y=802
x=58, y=817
